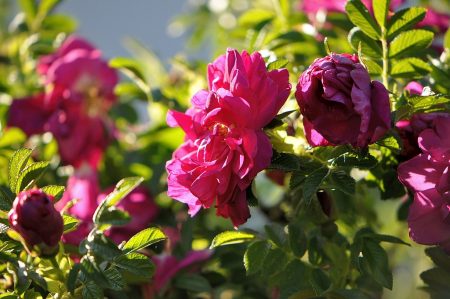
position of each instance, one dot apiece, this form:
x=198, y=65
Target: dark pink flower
x=168, y=266
x=140, y=206
x=312, y=7
x=83, y=186
x=414, y=88
x=340, y=104
x=225, y=145
x=427, y=175
x=80, y=91
x=435, y=19
x=409, y=130
x=71, y=43
x=35, y=218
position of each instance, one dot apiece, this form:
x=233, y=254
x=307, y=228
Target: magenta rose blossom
x=80, y=91
x=35, y=218
x=168, y=266
x=340, y=104
x=83, y=186
x=427, y=175
x=410, y=129
x=140, y=206
x=312, y=7
x=225, y=146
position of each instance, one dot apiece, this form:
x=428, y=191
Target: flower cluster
x=225, y=144
x=340, y=104
x=79, y=91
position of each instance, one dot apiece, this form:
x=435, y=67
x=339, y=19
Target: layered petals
x=225, y=146
x=340, y=104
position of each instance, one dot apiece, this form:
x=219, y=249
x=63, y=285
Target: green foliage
x=231, y=237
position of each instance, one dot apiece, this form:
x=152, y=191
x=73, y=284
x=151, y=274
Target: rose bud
x=340, y=104
x=35, y=218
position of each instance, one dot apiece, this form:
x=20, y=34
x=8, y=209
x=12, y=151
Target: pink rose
x=409, y=131
x=140, y=206
x=427, y=175
x=168, y=266
x=312, y=7
x=340, y=104
x=225, y=145
x=74, y=109
x=84, y=186
x=35, y=218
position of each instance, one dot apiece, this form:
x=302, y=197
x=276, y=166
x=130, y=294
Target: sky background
x=107, y=23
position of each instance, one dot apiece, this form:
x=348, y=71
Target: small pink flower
x=225, y=145
x=80, y=92
x=313, y=7
x=435, y=19
x=414, y=88
x=427, y=175
x=340, y=104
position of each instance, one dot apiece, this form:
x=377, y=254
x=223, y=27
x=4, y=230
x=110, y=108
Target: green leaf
x=37, y=279
x=29, y=8
x=55, y=191
x=380, y=10
x=102, y=246
x=319, y=281
x=46, y=6
x=392, y=143
x=411, y=67
x=17, y=163
x=137, y=264
x=27, y=178
x=343, y=182
x=115, y=279
x=193, y=282
x=231, y=237
x=132, y=69
x=277, y=64
x=91, y=290
x=93, y=272
x=312, y=183
x=373, y=67
x=437, y=279
x=360, y=16
x=254, y=256
x=439, y=257
x=297, y=240
x=123, y=188
x=447, y=39
x=6, y=198
x=284, y=162
x=143, y=239
x=369, y=47
x=73, y=277
x=70, y=223
x=114, y=216
x=404, y=20
x=409, y=42
x=59, y=22
x=275, y=232
x=351, y=160
x=375, y=260
x=274, y=262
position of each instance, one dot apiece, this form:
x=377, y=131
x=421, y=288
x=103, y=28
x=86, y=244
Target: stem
x=59, y=272
x=385, y=58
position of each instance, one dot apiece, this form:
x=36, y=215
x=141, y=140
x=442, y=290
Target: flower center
x=220, y=129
